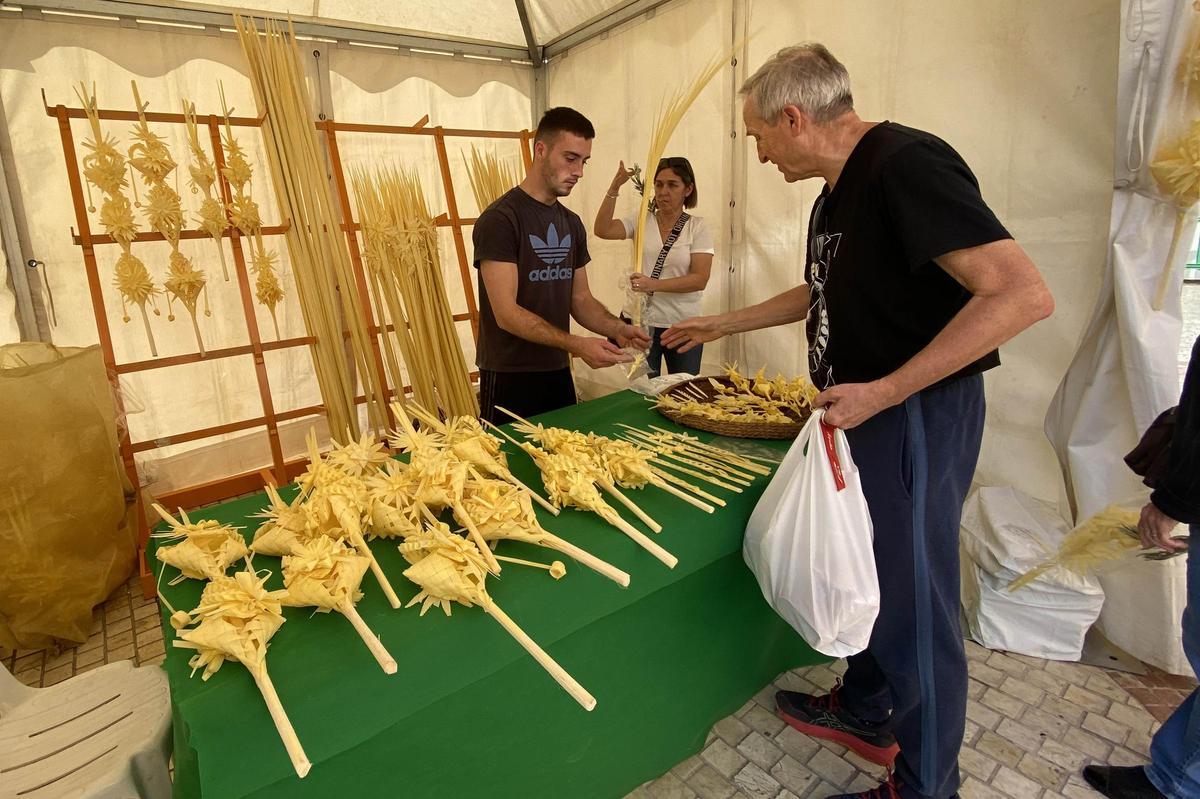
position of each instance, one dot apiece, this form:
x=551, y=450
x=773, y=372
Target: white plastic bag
x=809, y=543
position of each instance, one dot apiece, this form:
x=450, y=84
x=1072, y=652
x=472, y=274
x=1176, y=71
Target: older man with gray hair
x=911, y=284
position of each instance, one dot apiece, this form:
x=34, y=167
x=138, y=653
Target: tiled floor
x=1031, y=724
x=126, y=627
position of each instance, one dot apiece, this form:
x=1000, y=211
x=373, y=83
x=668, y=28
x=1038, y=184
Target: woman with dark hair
x=677, y=255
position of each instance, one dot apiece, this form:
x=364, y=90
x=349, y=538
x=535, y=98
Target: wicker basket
x=748, y=429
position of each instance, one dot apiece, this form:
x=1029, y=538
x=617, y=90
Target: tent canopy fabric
x=530, y=25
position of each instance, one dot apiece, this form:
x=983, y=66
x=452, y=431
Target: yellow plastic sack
x=67, y=530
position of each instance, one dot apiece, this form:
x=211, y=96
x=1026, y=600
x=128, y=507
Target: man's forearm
x=531, y=327
x=790, y=306
x=592, y=314
x=982, y=325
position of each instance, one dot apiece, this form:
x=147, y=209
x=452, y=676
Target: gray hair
x=804, y=75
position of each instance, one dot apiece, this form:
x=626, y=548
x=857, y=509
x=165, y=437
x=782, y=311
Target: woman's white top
x=666, y=308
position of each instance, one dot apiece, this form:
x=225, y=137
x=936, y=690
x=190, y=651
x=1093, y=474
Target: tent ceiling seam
x=599, y=25
x=122, y=13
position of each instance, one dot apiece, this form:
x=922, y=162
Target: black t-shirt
x=877, y=298
x=547, y=243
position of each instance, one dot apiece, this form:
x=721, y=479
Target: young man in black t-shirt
x=911, y=285
x=531, y=253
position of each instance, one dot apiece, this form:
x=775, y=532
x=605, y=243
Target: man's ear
x=794, y=118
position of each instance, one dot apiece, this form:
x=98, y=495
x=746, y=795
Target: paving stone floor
x=1031, y=726
x=1031, y=723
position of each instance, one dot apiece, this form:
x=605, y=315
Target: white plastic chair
x=104, y=734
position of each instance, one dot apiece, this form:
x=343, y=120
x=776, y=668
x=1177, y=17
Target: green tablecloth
x=470, y=713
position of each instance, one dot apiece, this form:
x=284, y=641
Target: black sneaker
x=824, y=717
x=1121, y=782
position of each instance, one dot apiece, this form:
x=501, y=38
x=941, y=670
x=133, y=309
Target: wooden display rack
x=282, y=471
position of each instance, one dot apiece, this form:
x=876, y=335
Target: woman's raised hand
x=621, y=178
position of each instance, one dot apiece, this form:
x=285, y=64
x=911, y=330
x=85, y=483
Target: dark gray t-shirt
x=547, y=243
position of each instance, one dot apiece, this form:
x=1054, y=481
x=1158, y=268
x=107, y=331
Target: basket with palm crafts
x=739, y=406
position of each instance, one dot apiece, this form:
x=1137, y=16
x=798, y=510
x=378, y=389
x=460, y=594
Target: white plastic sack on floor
x=1004, y=534
x=809, y=543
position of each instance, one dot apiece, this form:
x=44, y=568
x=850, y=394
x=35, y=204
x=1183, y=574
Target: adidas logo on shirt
x=552, y=251
x=550, y=273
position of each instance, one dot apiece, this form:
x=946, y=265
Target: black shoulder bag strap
x=666, y=248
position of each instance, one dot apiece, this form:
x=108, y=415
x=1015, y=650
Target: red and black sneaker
x=824, y=717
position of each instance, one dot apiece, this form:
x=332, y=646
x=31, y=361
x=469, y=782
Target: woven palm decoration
x=358, y=458
x=502, y=511
x=243, y=210
x=104, y=167
x=203, y=172
x=438, y=479
x=267, y=288
x=464, y=436
x=609, y=463
x=243, y=213
x=666, y=450
x=235, y=620
x=570, y=483
x=1104, y=538
x=393, y=513
x=325, y=573
x=152, y=159
x=285, y=528
x=1177, y=172
x=336, y=500
x=205, y=549
x=450, y=568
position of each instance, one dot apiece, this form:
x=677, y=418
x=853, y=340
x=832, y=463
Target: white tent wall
x=1125, y=371
x=169, y=66
x=619, y=83
x=1025, y=92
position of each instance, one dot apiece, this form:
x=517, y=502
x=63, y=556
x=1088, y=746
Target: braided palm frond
x=116, y=216
x=164, y=212
x=237, y=169
x=212, y=219
x=202, y=171
x=134, y=282
x=267, y=288
x=184, y=283
x=149, y=155
x=1177, y=169
x=243, y=211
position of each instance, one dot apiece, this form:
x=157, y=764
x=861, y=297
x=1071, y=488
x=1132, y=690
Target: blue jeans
x=1175, y=751
x=676, y=362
